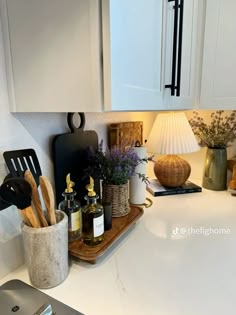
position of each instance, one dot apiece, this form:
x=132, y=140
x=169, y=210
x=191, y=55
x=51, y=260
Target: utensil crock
x=46, y=252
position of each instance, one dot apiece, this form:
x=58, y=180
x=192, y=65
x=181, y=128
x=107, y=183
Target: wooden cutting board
x=125, y=134
x=70, y=155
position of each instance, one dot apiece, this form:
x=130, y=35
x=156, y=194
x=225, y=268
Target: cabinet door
x=53, y=55
x=138, y=48
x=189, y=42
x=133, y=59
x=218, y=86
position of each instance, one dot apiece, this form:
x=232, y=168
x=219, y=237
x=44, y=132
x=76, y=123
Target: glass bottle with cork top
x=72, y=208
x=92, y=218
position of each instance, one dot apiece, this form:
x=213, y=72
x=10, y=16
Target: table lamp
x=171, y=134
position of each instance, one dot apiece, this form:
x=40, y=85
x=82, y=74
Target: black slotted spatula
x=18, y=161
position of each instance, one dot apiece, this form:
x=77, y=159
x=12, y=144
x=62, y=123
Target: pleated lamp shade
x=171, y=134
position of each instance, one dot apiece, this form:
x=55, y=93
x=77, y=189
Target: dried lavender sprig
x=221, y=131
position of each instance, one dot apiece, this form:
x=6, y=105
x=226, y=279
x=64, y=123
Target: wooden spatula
x=35, y=197
x=48, y=197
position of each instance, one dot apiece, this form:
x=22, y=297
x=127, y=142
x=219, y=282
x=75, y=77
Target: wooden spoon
x=48, y=197
x=35, y=197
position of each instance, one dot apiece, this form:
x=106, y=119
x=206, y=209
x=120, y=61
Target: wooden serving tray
x=119, y=226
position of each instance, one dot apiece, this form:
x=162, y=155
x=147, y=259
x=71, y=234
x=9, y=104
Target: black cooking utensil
x=18, y=161
x=70, y=155
x=3, y=204
x=17, y=191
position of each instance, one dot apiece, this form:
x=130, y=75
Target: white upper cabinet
x=185, y=74
x=132, y=52
x=54, y=52
x=53, y=55
x=218, y=86
x=141, y=55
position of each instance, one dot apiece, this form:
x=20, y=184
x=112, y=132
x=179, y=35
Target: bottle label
x=75, y=221
x=98, y=226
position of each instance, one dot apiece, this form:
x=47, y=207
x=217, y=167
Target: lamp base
x=172, y=170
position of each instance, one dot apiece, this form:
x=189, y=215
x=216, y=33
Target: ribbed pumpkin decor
x=171, y=134
x=172, y=170
x=118, y=196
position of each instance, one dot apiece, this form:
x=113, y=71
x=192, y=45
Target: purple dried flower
x=115, y=166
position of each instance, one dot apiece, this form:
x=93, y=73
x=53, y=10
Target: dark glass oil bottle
x=72, y=208
x=92, y=218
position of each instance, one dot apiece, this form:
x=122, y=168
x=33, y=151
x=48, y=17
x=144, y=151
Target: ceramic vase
x=215, y=169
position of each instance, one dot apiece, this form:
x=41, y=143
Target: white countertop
x=156, y=269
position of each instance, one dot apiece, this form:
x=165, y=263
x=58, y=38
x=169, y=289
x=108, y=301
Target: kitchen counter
x=180, y=258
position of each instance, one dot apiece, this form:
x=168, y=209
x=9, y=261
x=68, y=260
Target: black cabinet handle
x=181, y=16
x=177, y=47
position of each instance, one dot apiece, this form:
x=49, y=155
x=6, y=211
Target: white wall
x=18, y=131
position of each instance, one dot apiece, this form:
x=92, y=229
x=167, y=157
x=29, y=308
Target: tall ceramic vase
x=215, y=169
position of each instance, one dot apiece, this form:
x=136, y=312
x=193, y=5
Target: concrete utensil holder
x=46, y=252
